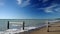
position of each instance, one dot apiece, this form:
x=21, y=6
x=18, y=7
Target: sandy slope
x=53, y=30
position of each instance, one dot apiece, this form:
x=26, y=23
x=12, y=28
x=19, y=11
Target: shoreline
x=30, y=29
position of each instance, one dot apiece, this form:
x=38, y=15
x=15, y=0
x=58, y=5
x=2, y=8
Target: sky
x=29, y=9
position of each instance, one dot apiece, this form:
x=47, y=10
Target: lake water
x=28, y=23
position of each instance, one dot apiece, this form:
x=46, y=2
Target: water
x=28, y=23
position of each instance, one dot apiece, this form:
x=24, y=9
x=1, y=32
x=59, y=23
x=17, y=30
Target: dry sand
x=53, y=30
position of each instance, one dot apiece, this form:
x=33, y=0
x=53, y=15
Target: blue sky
x=29, y=9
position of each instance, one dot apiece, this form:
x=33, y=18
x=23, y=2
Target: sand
x=53, y=30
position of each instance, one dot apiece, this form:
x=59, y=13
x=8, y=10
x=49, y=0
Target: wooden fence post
x=23, y=25
x=8, y=25
x=48, y=27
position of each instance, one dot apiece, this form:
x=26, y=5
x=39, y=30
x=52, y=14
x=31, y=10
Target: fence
x=53, y=27
x=16, y=23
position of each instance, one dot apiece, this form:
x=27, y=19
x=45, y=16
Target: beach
x=55, y=29
x=41, y=28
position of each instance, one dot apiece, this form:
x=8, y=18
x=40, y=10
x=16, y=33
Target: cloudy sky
x=29, y=9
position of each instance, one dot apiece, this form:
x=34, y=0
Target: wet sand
x=53, y=30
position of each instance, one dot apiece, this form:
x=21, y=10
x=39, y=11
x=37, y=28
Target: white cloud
x=19, y=2
x=23, y=4
x=50, y=9
x=57, y=9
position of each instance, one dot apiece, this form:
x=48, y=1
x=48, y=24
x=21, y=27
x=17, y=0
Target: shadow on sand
x=55, y=31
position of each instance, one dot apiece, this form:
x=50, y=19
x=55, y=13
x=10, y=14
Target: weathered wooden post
x=23, y=25
x=48, y=27
x=8, y=25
